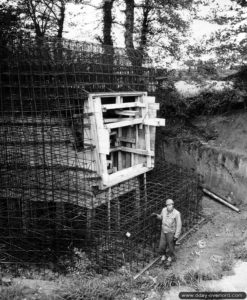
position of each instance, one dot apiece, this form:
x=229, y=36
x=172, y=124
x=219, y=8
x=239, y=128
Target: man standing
x=170, y=231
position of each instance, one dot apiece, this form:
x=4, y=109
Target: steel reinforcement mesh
x=48, y=202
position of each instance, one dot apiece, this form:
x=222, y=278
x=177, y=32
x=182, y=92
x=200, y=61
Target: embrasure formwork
x=50, y=197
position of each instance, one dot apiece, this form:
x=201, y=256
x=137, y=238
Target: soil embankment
x=216, y=148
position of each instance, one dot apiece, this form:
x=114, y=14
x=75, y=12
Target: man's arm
x=158, y=216
x=178, y=226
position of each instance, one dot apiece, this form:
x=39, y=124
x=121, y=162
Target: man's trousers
x=166, y=241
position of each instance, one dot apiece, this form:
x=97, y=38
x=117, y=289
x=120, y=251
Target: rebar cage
x=49, y=200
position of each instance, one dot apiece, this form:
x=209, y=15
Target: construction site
x=81, y=166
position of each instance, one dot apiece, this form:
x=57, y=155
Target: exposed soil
x=229, y=130
x=211, y=253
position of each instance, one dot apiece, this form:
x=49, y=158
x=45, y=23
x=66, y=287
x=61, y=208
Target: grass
x=12, y=292
x=81, y=283
x=18, y=292
x=79, y=286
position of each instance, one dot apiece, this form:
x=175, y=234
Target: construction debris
x=221, y=200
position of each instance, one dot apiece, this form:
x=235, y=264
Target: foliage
x=13, y=293
x=207, y=103
x=227, y=43
x=9, y=21
x=150, y=23
x=43, y=16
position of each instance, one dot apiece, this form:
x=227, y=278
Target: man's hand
x=154, y=214
x=175, y=239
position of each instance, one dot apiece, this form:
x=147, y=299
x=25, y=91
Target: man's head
x=169, y=204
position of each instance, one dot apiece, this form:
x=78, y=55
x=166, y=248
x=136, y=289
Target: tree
x=9, y=21
x=46, y=16
x=153, y=19
x=227, y=43
x=9, y=25
x=107, y=22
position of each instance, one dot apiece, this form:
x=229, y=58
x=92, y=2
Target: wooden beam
x=132, y=150
x=115, y=149
x=126, y=140
x=103, y=137
x=122, y=105
x=137, y=151
x=112, y=120
x=124, y=174
x=130, y=113
x=124, y=123
x=123, y=94
x=154, y=106
x=154, y=122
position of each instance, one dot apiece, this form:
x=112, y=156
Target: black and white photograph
x=123, y=149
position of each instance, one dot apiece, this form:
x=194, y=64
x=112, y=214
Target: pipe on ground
x=221, y=200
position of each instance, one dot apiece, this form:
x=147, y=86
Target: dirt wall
x=222, y=171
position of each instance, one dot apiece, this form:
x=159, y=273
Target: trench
x=221, y=170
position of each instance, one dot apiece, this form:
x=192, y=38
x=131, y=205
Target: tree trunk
x=107, y=23
x=60, y=21
x=129, y=24
x=108, y=56
x=135, y=56
x=145, y=26
x=144, y=30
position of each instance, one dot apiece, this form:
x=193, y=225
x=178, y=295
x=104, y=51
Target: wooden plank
x=132, y=150
x=102, y=141
x=130, y=113
x=115, y=149
x=124, y=175
x=153, y=106
x=120, y=94
x=124, y=123
x=89, y=107
x=122, y=105
x=137, y=151
x=154, y=122
x=112, y=120
x=126, y=140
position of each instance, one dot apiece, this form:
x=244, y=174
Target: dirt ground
x=225, y=227
x=217, y=252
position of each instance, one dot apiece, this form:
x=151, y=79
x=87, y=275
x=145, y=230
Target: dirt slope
x=230, y=130
x=211, y=252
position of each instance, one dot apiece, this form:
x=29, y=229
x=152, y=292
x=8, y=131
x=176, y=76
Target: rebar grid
x=49, y=201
